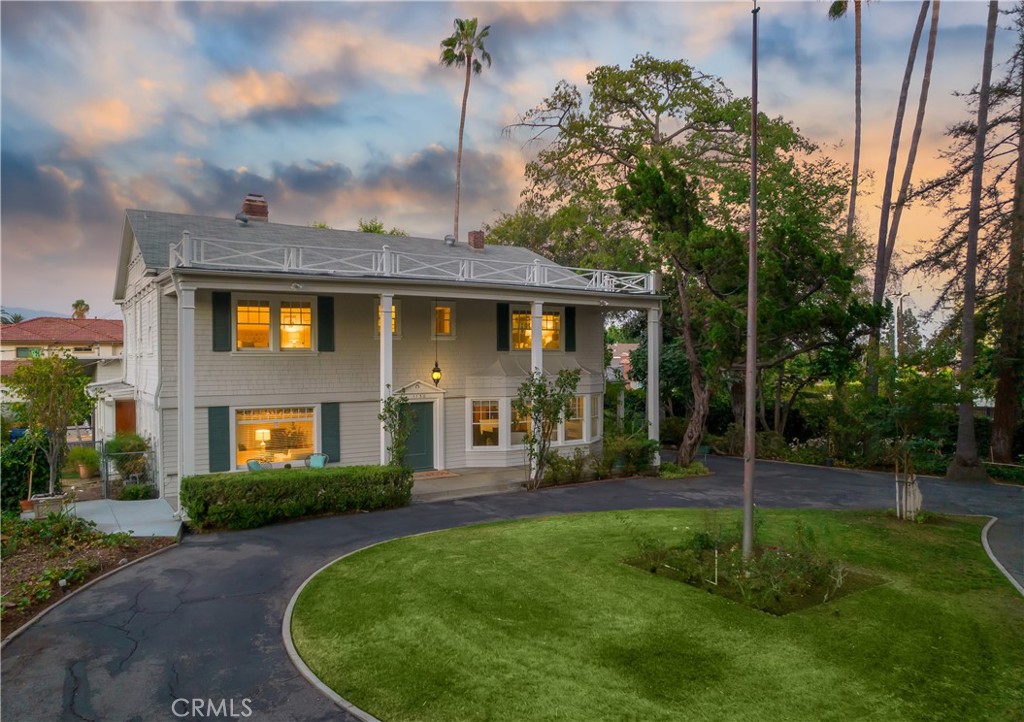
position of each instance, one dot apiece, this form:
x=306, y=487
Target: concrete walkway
x=149, y=517
x=203, y=620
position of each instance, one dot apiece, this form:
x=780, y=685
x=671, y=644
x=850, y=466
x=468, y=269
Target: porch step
x=433, y=493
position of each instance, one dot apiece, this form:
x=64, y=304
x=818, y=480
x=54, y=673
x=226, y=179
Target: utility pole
x=750, y=418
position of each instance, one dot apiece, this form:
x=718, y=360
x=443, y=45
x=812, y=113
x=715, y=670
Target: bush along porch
x=252, y=499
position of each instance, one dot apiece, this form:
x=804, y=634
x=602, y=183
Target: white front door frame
x=424, y=392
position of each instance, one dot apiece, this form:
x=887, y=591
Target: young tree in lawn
x=53, y=397
x=464, y=47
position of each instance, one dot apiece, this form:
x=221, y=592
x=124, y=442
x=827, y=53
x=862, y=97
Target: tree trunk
x=1010, y=359
x=881, y=266
x=852, y=216
x=965, y=463
x=458, y=154
x=698, y=383
x=915, y=139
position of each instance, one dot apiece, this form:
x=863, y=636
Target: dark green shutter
x=325, y=323
x=503, y=329
x=330, y=430
x=218, y=434
x=221, y=321
x=570, y=328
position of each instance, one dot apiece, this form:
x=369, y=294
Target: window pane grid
x=296, y=324
x=550, y=329
x=442, y=321
x=485, y=423
x=253, y=324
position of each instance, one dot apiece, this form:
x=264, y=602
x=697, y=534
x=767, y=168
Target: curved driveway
x=203, y=620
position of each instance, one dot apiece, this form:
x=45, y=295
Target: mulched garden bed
x=37, y=554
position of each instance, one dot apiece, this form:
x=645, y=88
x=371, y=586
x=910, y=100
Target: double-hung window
x=265, y=324
x=444, y=321
x=550, y=329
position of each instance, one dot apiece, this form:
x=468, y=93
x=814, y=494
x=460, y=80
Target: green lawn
x=541, y=620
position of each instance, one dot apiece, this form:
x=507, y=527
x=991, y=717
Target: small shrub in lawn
x=777, y=579
x=249, y=499
x=136, y=492
x=671, y=470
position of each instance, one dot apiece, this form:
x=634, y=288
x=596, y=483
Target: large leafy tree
x=1000, y=240
x=464, y=48
x=53, y=395
x=685, y=128
x=808, y=302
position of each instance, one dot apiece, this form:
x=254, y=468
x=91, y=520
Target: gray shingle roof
x=155, y=231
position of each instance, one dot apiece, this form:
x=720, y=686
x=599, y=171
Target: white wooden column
x=653, y=381
x=387, y=306
x=186, y=384
x=537, y=338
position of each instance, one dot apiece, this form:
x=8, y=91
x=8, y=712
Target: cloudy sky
x=338, y=111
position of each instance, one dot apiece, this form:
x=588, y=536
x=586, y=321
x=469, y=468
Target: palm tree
x=835, y=11
x=7, y=318
x=965, y=461
x=465, y=47
x=79, y=308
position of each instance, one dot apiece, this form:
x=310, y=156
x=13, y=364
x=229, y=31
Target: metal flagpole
x=749, y=443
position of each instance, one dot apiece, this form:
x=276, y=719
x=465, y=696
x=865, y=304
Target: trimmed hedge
x=245, y=500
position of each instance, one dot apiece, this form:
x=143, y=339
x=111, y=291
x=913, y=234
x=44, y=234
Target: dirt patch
x=32, y=569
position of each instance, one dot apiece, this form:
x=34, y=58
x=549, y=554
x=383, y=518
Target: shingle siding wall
x=350, y=375
x=360, y=433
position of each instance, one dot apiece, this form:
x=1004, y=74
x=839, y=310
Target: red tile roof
x=7, y=367
x=51, y=329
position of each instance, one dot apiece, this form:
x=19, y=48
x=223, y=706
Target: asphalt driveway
x=201, y=623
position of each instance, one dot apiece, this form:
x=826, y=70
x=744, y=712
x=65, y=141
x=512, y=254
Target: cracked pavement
x=203, y=620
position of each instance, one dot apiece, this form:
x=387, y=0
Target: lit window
x=444, y=321
x=574, y=420
x=281, y=435
x=522, y=331
x=596, y=416
x=396, y=327
x=296, y=324
x=519, y=427
x=253, y=324
x=485, y=423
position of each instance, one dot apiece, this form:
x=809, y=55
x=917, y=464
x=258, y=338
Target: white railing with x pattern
x=201, y=252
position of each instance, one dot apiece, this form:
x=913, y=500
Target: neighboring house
x=270, y=341
x=621, y=361
x=96, y=343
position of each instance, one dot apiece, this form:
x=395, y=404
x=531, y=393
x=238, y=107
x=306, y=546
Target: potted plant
x=87, y=459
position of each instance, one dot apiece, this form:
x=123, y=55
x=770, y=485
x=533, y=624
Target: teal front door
x=419, y=452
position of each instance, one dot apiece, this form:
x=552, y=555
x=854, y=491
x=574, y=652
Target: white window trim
x=434, y=336
x=396, y=308
x=522, y=308
x=233, y=421
x=275, y=323
x=505, y=426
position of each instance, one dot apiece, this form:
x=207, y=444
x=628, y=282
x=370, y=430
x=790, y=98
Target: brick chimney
x=476, y=240
x=255, y=206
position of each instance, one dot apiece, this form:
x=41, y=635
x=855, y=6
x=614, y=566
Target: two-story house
x=271, y=341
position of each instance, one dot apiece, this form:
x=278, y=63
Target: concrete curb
x=999, y=565
x=74, y=592
x=293, y=653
